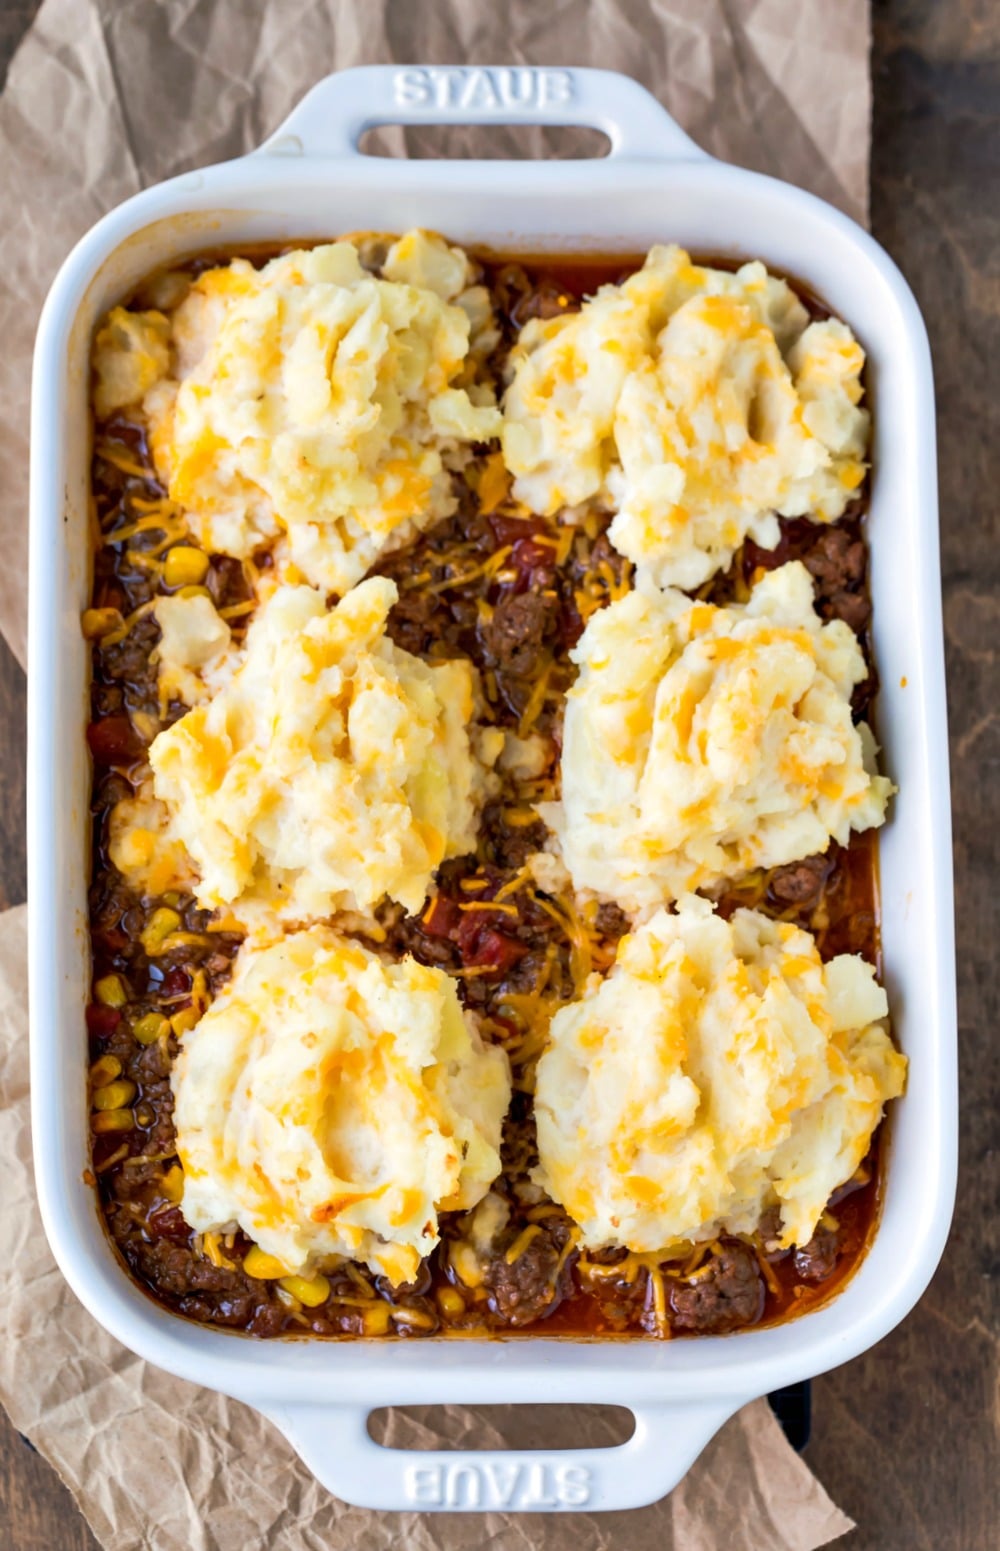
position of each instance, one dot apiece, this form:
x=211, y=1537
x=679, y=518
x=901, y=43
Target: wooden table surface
x=905, y=1438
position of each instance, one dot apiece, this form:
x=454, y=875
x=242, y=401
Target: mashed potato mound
x=720, y=1070
x=131, y=352
x=331, y=769
x=695, y=404
x=140, y=844
x=193, y=656
x=702, y=742
x=332, y=1105
x=313, y=400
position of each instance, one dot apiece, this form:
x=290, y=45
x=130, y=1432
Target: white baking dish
x=308, y=181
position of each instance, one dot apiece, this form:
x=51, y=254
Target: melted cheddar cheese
x=330, y=769
x=310, y=401
x=701, y=742
x=693, y=403
x=720, y=1070
x=331, y=1105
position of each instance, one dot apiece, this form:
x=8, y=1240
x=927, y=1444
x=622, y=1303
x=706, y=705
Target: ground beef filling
x=816, y=1260
x=516, y=632
x=726, y=1293
x=529, y=1287
x=512, y=593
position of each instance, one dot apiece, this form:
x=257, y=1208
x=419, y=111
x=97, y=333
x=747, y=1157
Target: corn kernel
x=184, y=565
x=451, y=1302
x=376, y=1319
x=184, y=1020
x=104, y=1070
x=157, y=929
x=98, y=622
x=192, y=592
x=172, y=1183
x=145, y=724
x=114, y=1095
x=112, y=1120
x=266, y=1268
x=149, y=1027
x=110, y=991
x=415, y=1318
x=466, y=1263
x=311, y=1290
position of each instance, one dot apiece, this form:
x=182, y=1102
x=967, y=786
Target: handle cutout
x=486, y=142
x=341, y=110
x=544, y=1427
x=395, y=1460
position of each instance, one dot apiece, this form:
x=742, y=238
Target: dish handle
x=332, y=117
x=333, y=1441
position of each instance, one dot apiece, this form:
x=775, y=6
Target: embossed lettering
x=516, y=87
x=538, y=1489
x=573, y=1485
x=411, y=88
x=483, y=91
x=424, y=1484
x=479, y=91
x=555, y=88
x=505, y=1480
x=464, y=1487
x=498, y=1485
x=447, y=86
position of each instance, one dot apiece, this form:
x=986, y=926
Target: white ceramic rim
x=681, y=1392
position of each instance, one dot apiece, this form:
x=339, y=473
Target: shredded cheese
x=125, y=465
x=114, y=636
x=520, y=1244
x=536, y=700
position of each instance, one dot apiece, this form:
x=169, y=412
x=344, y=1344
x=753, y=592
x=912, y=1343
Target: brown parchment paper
x=103, y=98
x=160, y=1464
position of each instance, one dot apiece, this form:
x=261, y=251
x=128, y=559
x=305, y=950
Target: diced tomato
x=110, y=939
x=511, y=530
x=168, y=1224
x=108, y=595
x=114, y=741
x=528, y=556
x=483, y=944
x=442, y=918
x=475, y=922
x=102, y=1021
x=572, y=624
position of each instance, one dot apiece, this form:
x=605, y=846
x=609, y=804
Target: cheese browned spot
x=720, y=1070
x=331, y=1105
x=701, y=742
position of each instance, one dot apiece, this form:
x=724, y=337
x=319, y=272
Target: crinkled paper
x=103, y=98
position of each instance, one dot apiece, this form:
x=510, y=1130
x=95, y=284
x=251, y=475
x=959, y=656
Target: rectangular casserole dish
x=309, y=180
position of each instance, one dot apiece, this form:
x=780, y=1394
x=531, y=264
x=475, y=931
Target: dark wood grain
x=16, y=17
x=905, y=1438
x=12, y=860
x=37, y=1512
